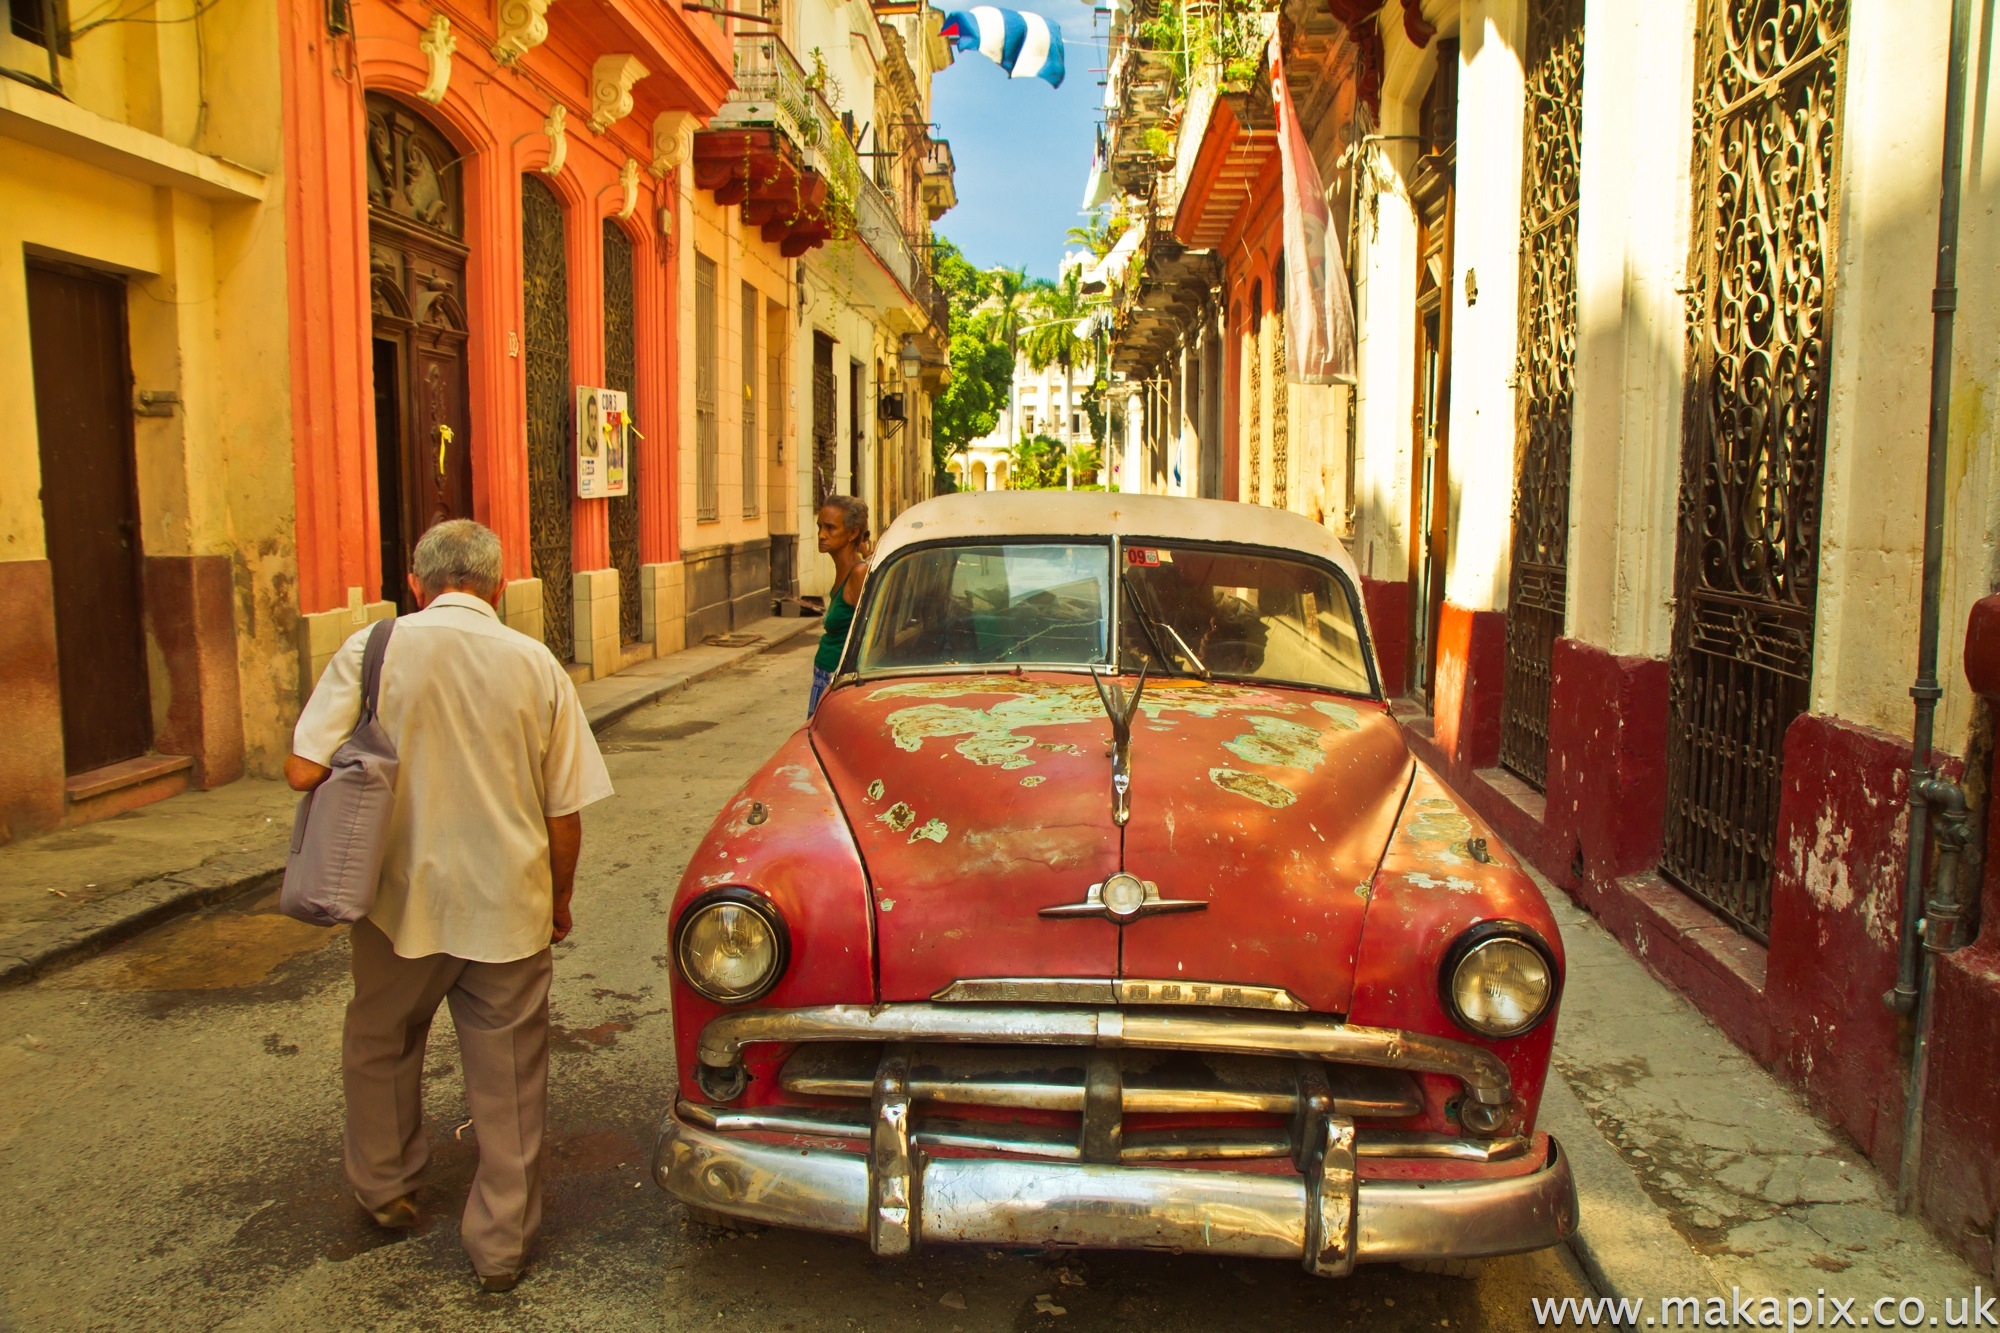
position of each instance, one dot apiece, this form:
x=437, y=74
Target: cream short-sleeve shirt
x=493, y=742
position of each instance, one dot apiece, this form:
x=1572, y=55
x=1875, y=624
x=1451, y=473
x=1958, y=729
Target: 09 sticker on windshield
x=1148, y=556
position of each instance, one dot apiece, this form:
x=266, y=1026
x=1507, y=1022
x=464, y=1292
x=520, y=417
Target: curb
x=95, y=927
x=604, y=714
x=146, y=904
x=1623, y=1242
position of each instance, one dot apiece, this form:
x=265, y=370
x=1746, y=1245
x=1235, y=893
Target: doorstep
x=128, y=773
x=116, y=788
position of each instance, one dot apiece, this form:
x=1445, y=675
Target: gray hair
x=458, y=553
x=853, y=512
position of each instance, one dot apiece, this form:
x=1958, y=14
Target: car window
x=1232, y=613
x=1043, y=602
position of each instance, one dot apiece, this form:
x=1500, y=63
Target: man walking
x=496, y=762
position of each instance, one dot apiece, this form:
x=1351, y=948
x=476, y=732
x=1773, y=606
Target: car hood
x=976, y=801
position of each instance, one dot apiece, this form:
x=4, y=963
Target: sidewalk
x=73, y=892
x=1698, y=1172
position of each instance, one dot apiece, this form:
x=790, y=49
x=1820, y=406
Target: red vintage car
x=1101, y=904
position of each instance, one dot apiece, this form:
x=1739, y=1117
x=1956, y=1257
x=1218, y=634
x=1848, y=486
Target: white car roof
x=990, y=515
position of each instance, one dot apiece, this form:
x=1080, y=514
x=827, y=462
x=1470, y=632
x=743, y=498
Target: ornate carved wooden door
x=1545, y=364
x=551, y=442
x=417, y=264
x=1753, y=434
x=621, y=371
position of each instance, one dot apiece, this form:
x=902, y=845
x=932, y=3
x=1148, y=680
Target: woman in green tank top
x=843, y=534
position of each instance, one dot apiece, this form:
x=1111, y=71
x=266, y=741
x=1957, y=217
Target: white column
x=1632, y=246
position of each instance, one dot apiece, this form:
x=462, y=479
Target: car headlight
x=731, y=946
x=1498, y=980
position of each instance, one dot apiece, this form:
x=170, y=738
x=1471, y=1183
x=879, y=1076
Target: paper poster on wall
x=603, y=443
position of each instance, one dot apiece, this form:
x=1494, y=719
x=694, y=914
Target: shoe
x=395, y=1215
x=495, y=1283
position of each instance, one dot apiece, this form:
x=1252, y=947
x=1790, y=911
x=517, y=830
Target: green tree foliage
x=1035, y=463
x=982, y=362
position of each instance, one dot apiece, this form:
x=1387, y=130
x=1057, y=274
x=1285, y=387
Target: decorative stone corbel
x=437, y=44
x=558, y=138
x=673, y=136
x=629, y=179
x=522, y=28
x=611, y=80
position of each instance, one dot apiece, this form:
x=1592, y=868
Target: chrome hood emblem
x=1121, y=708
x=1123, y=898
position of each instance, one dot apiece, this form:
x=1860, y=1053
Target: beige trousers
x=501, y=1012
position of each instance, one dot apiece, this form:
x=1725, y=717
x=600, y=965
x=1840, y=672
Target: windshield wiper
x=1187, y=652
x=1152, y=629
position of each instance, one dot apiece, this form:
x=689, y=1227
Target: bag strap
x=371, y=668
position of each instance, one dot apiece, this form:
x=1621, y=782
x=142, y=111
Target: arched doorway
x=545, y=358
x=417, y=262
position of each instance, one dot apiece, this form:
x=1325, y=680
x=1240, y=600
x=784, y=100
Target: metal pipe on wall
x=1916, y=974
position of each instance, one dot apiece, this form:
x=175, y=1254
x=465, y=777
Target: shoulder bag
x=342, y=827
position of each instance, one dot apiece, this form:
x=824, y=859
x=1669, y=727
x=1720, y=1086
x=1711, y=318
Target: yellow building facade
x=147, y=569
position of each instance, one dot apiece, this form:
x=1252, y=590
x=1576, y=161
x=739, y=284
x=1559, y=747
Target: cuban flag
x=1027, y=46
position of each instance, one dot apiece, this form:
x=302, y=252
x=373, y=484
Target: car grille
x=1180, y=1084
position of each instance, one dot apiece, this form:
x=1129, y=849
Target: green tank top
x=839, y=615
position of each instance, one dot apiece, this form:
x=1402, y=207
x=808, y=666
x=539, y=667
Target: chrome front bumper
x=897, y=1198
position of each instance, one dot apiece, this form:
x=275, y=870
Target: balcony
x=771, y=90
x=776, y=149
x=876, y=224
x=940, y=194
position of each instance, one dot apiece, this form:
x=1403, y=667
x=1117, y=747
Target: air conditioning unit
x=891, y=407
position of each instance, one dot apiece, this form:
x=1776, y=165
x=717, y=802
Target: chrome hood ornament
x=1125, y=897
x=1121, y=710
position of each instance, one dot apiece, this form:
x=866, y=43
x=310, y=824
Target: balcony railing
x=876, y=222
x=771, y=89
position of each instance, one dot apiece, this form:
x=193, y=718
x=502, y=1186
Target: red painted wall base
x=1471, y=672
x=1809, y=1007
x=1607, y=769
x=1388, y=606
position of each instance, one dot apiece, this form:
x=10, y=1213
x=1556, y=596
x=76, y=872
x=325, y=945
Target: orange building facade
x=484, y=211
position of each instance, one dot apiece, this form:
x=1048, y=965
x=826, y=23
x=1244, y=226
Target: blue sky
x=1022, y=148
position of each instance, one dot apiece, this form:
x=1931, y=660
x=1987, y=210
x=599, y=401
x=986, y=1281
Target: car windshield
x=1246, y=615
x=1039, y=602
x=1183, y=610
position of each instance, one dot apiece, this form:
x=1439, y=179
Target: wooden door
x=826, y=422
x=90, y=509
x=857, y=390
x=417, y=267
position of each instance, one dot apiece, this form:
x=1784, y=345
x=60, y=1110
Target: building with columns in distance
x=1633, y=467
x=1040, y=402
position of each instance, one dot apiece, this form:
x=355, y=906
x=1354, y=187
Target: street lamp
x=912, y=359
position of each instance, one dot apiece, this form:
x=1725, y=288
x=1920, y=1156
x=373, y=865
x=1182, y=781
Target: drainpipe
x=1931, y=926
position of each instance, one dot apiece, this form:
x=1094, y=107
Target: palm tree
x=1100, y=233
x=1052, y=339
x=1010, y=288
